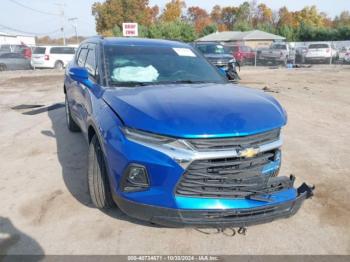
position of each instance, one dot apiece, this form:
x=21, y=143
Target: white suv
x=52, y=56
x=324, y=52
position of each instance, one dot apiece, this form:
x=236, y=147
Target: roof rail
x=98, y=36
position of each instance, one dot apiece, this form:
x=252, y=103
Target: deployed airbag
x=135, y=74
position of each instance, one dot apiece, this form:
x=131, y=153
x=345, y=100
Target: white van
x=52, y=56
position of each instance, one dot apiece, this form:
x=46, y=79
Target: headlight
x=151, y=139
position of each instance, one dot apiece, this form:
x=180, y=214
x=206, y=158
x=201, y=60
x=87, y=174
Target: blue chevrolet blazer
x=172, y=141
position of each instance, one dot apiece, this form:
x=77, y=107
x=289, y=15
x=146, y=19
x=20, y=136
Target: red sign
x=130, y=29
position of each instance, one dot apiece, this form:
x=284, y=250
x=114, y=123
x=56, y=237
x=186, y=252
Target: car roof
x=136, y=42
x=208, y=43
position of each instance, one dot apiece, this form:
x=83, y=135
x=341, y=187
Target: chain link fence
x=294, y=54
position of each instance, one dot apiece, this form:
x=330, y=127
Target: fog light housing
x=135, y=179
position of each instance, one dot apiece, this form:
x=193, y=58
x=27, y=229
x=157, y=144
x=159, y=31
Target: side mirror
x=221, y=71
x=79, y=74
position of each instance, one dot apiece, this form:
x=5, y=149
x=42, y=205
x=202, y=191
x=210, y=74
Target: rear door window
x=318, y=46
x=39, y=50
x=279, y=47
x=63, y=50
x=82, y=56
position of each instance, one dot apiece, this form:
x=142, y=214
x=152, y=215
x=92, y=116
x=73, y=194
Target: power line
x=32, y=9
x=30, y=33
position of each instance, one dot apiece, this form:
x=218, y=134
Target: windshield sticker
x=184, y=52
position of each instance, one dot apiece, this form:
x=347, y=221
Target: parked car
x=320, y=52
x=173, y=142
x=21, y=49
x=277, y=53
x=219, y=56
x=52, y=56
x=14, y=61
x=243, y=54
x=342, y=53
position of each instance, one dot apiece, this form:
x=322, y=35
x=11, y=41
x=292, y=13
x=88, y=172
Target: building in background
x=253, y=39
x=7, y=39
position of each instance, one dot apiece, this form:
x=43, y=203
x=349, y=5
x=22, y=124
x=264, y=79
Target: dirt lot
x=44, y=203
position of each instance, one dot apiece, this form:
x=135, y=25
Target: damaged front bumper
x=241, y=217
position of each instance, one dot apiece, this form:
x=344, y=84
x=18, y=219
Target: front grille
x=240, y=213
x=219, y=62
x=235, y=143
x=237, y=177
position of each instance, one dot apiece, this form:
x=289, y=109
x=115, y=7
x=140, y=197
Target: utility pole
x=75, y=25
x=62, y=15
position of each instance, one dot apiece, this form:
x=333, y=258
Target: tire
x=3, y=67
x=99, y=187
x=72, y=126
x=59, y=65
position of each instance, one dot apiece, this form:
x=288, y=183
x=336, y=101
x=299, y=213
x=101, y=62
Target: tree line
x=186, y=23
x=177, y=21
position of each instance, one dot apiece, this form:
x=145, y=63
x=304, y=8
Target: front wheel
x=72, y=126
x=99, y=188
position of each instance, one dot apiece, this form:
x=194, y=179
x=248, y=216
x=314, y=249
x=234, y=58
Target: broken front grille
x=235, y=143
x=236, y=177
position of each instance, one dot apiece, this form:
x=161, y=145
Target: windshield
x=39, y=51
x=213, y=49
x=134, y=65
x=316, y=46
x=279, y=47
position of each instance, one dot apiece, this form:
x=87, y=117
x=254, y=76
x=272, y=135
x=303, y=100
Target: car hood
x=196, y=110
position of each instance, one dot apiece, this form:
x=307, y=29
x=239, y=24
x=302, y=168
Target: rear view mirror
x=79, y=74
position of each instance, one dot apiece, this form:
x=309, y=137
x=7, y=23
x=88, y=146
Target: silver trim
x=184, y=157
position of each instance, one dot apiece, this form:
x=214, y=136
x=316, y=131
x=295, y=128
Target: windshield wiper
x=187, y=82
x=131, y=84
x=135, y=84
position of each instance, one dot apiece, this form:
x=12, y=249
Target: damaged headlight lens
x=154, y=139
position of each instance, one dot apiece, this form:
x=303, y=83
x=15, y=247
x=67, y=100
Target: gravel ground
x=45, y=207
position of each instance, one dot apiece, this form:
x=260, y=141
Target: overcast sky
x=17, y=17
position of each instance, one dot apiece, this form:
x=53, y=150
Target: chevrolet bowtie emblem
x=249, y=152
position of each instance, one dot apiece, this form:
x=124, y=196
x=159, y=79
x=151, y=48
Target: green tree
x=343, y=19
x=113, y=13
x=116, y=31
x=288, y=32
x=209, y=29
x=175, y=30
x=228, y=16
x=198, y=17
x=173, y=10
